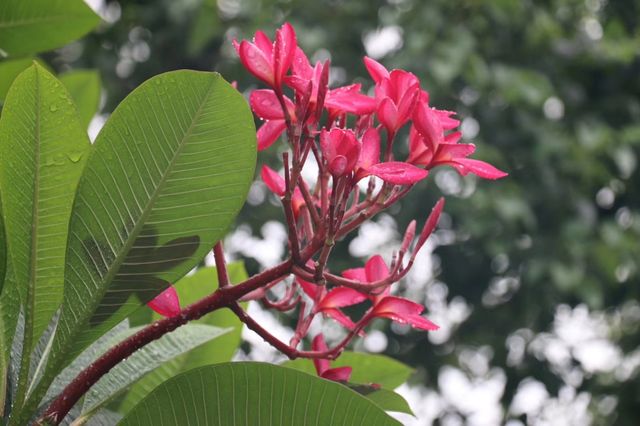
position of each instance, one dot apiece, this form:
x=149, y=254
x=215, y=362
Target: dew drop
x=53, y=108
x=74, y=156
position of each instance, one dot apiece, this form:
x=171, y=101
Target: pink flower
x=268, y=61
x=276, y=184
x=341, y=100
x=430, y=146
x=340, y=149
x=166, y=303
x=329, y=302
x=338, y=374
x=394, y=172
x=265, y=105
x=396, y=92
x=385, y=306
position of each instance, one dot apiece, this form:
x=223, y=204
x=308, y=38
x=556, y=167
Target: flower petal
x=255, y=61
x=340, y=297
x=319, y=345
x=265, y=105
x=403, y=311
x=376, y=70
x=480, y=168
x=269, y=132
x=398, y=173
x=341, y=318
x=166, y=303
x=338, y=374
x=370, y=150
x=376, y=269
x=356, y=274
x=430, y=223
x=388, y=115
x=285, y=47
x=273, y=180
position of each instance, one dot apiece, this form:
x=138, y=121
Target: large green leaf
x=367, y=368
x=254, y=393
x=37, y=25
x=84, y=86
x=167, y=175
x=145, y=360
x=190, y=289
x=42, y=153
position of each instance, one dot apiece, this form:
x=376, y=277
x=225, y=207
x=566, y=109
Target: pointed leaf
x=43, y=149
x=84, y=86
x=38, y=25
x=9, y=70
x=166, y=176
x=253, y=393
x=386, y=399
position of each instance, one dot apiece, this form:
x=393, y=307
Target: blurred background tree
x=535, y=278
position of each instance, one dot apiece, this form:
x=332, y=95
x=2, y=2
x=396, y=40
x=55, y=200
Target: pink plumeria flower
x=396, y=92
x=265, y=105
x=329, y=302
x=342, y=100
x=394, y=172
x=337, y=374
x=429, y=145
x=276, y=184
x=385, y=306
x=340, y=149
x=269, y=61
x=166, y=303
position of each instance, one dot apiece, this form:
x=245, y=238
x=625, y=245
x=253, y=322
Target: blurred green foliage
x=548, y=90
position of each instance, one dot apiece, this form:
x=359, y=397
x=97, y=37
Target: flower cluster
x=340, y=130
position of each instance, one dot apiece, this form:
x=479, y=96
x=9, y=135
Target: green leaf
x=367, y=368
x=386, y=399
x=145, y=360
x=250, y=393
x=42, y=153
x=84, y=86
x=3, y=248
x=9, y=70
x=167, y=175
x=191, y=289
x=37, y=25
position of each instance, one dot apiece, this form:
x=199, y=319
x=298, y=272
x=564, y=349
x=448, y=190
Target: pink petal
x=338, y=166
x=403, y=311
x=445, y=119
x=285, y=47
x=273, y=180
x=403, y=83
x=255, y=61
x=340, y=297
x=428, y=125
x=264, y=43
x=269, y=132
x=407, y=104
x=370, y=151
x=449, y=151
x=166, y=303
x=341, y=318
x=480, y=168
x=300, y=66
x=356, y=274
x=376, y=269
x=398, y=173
x=431, y=223
x=419, y=154
x=318, y=344
x=265, y=105
x=338, y=374
x=376, y=70
x=348, y=99
x=388, y=115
